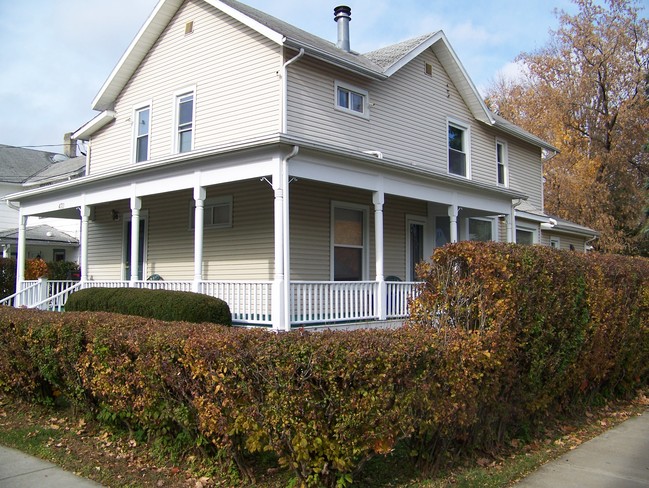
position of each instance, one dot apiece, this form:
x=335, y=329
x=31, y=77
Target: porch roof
x=278, y=141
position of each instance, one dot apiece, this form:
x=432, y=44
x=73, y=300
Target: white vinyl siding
x=242, y=252
x=408, y=122
x=234, y=70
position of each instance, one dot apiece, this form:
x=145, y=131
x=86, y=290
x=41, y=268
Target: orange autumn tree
x=35, y=268
x=586, y=92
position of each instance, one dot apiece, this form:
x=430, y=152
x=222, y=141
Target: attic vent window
x=429, y=69
x=189, y=27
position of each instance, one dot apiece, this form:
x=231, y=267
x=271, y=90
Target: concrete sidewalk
x=619, y=458
x=18, y=470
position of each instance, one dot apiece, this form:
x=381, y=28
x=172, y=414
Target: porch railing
x=250, y=302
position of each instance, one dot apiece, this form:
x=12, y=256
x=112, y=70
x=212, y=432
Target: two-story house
x=239, y=156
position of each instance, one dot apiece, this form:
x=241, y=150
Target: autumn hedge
x=500, y=336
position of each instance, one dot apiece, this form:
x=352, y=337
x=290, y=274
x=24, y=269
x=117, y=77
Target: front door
x=127, y=250
x=415, y=248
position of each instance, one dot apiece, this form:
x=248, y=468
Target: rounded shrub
x=158, y=304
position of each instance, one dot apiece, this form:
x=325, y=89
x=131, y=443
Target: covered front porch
x=287, y=235
x=311, y=303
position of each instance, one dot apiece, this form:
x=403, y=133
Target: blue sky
x=56, y=54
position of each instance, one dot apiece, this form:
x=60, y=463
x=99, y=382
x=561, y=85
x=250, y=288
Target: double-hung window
x=217, y=213
x=351, y=99
x=501, y=162
x=349, y=242
x=458, y=149
x=142, y=131
x=184, y=122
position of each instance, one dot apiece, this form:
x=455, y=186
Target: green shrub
x=159, y=304
x=7, y=277
x=63, y=270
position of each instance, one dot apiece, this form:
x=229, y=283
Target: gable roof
x=379, y=64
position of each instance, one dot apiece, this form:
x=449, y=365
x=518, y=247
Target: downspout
x=284, y=75
x=286, y=237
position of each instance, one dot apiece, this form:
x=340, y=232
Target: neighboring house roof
x=29, y=167
x=59, y=171
x=18, y=164
x=379, y=64
x=39, y=234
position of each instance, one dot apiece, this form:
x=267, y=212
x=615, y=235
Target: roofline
x=146, y=37
x=483, y=113
x=92, y=126
x=272, y=139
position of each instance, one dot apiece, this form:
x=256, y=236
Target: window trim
x=339, y=85
x=135, y=137
x=178, y=95
x=555, y=239
x=528, y=228
x=211, y=203
x=504, y=162
x=491, y=221
x=365, y=259
x=466, y=128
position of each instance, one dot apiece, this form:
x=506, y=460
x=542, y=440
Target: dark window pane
x=455, y=138
x=456, y=162
x=348, y=264
x=142, y=151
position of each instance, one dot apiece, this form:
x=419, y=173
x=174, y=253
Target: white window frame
x=339, y=85
x=365, y=259
x=491, y=221
x=178, y=95
x=553, y=240
x=504, y=163
x=529, y=228
x=137, y=109
x=210, y=204
x=466, y=128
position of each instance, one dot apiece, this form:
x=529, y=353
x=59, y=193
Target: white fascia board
x=460, y=78
x=135, y=53
x=244, y=19
x=89, y=128
x=414, y=53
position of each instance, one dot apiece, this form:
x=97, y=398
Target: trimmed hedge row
x=500, y=336
x=158, y=304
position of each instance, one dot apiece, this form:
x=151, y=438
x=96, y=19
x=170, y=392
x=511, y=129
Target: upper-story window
x=458, y=149
x=501, y=161
x=184, y=122
x=142, y=130
x=351, y=99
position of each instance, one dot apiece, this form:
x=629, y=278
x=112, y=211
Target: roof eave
x=135, y=53
x=92, y=126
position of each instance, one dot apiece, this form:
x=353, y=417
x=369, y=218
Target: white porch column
x=378, y=198
x=85, y=216
x=21, y=258
x=136, y=206
x=452, y=213
x=511, y=233
x=278, y=305
x=199, y=215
